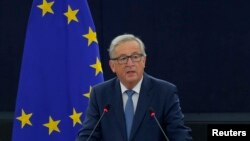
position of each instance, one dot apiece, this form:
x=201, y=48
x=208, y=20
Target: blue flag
x=60, y=65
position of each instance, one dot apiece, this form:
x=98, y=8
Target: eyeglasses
x=124, y=59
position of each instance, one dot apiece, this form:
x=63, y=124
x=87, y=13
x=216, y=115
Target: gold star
x=71, y=14
x=97, y=66
x=88, y=94
x=76, y=117
x=52, y=125
x=91, y=36
x=46, y=7
x=25, y=118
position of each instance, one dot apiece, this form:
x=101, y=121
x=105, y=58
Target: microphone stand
x=152, y=114
x=105, y=110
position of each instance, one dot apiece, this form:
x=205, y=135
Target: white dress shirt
x=135, y=96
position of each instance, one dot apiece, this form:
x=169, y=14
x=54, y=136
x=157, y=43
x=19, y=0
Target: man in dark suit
x=131, y=95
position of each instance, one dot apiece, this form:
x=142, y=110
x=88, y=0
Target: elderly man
x=133, y=94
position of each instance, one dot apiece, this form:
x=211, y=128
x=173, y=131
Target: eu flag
x=60, y=65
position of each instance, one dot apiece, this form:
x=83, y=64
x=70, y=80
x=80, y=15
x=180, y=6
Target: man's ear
x=112, y=66
x=144, y=61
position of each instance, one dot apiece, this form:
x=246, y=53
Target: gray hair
x=124, y=38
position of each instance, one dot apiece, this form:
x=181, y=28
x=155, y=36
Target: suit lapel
x=142, y=109
x=117, y=106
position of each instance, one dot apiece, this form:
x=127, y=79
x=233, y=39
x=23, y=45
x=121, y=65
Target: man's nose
x=130, y=62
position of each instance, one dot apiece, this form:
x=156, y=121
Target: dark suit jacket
x=155, y=93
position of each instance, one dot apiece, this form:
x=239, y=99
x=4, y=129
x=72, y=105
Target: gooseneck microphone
x=105, y=110
x=152, y=115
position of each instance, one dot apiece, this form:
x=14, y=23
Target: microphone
x=105, y=110
x=152, y=115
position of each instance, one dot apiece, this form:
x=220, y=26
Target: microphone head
x=151, y=112
x=106, y=108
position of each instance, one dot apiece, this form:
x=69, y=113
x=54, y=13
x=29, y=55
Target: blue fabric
x=129, y=112
x=56, y=73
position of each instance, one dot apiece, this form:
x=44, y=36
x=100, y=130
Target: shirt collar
x=137, y=87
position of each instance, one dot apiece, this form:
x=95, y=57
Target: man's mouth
x=129, y=72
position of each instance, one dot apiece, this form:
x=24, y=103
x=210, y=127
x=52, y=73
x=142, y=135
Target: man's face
x=129, y=72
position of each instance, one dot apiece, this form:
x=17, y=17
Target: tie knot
x=130, y=93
